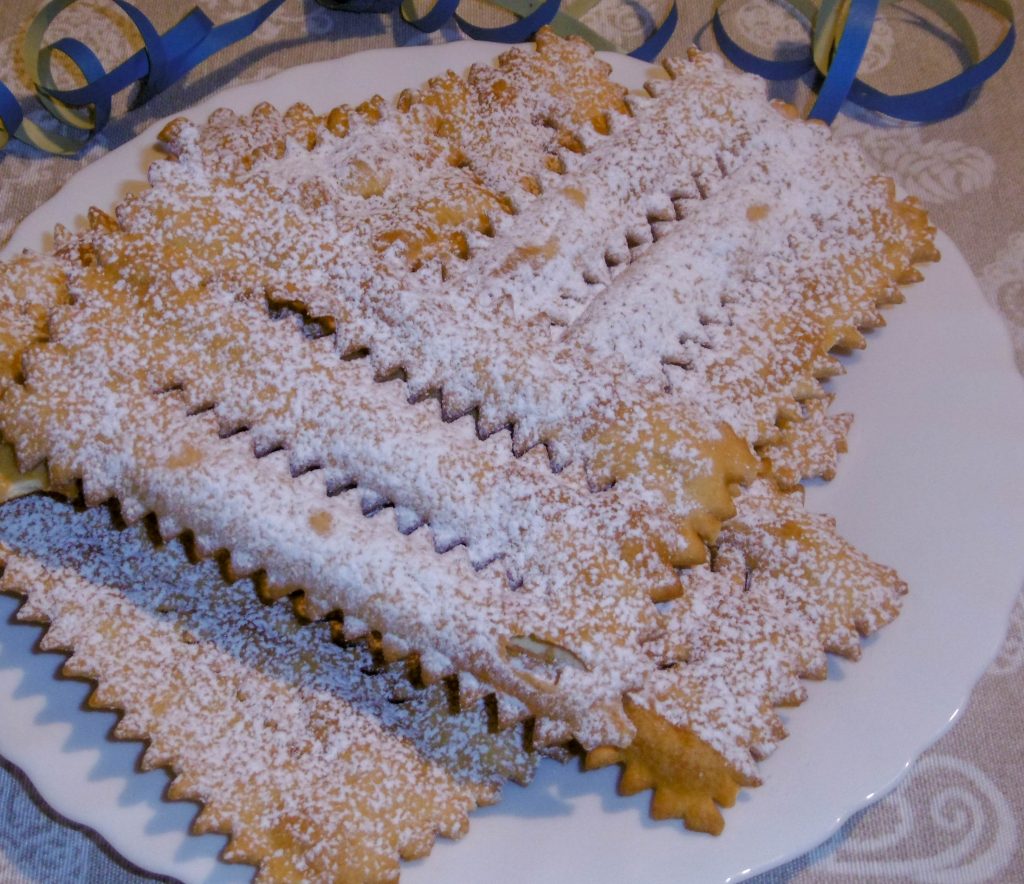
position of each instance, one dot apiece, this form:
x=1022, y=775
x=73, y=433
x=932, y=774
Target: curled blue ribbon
x=836, y=51
x=517, y=32
x=840, y=33
x=530, y=21
x=166, y=58
x=163, y=60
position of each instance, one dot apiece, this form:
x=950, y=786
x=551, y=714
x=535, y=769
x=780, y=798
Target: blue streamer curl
x=840, y=81
x=165, y=59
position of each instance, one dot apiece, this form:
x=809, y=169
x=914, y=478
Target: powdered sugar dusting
x=317, y=769
x=646, y=294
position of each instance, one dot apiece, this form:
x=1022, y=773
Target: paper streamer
x=163, y=60
x=839, y=35
x=534, y=15
x=166, y=58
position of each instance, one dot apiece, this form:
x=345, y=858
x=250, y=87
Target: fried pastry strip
x=783, y=588
x=102, y=352
x=636, y=420
x=738, y=305
x=509, y=120
x=70, y=365
x=825, y=580
x=708, y=713
x=226, y=354
x=30, y=286
x=526, y=95
x=149, y=454
x=808, y=445
x=313, y=768
x=461, y=326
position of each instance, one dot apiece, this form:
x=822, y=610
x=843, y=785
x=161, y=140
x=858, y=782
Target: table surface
x=958, y=814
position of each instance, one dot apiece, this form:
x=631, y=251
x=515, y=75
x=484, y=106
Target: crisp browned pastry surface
x=485, y=410
x=318, y=762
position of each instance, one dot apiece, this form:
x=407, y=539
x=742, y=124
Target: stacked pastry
x=510, y=381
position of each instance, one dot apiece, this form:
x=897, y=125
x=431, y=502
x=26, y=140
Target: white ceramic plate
x=931, y=486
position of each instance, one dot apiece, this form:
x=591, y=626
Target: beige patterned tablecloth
x=959, y=814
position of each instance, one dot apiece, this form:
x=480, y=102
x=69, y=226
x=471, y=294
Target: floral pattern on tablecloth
x=948, y=822
x=37, y=847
